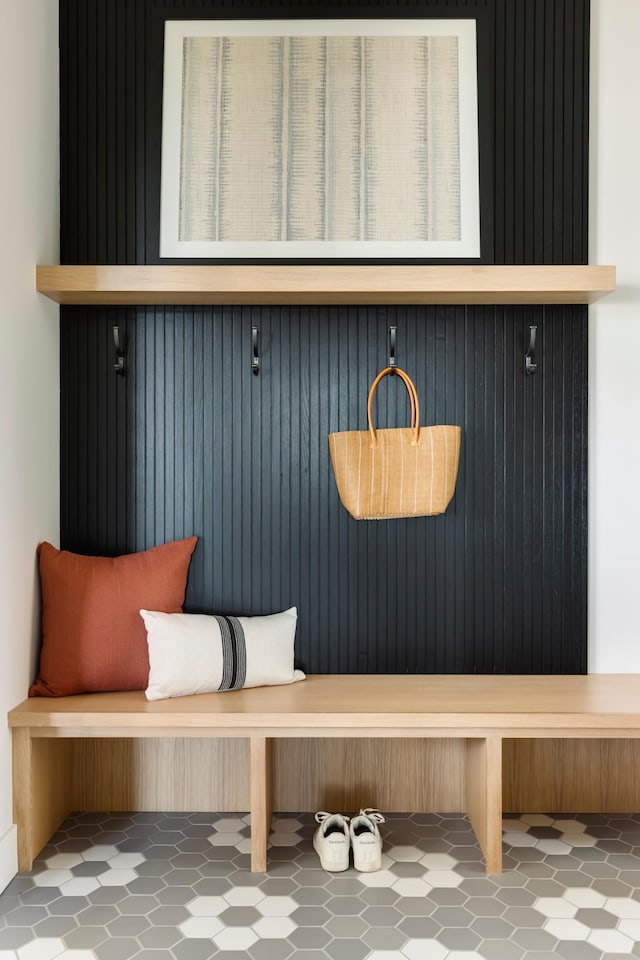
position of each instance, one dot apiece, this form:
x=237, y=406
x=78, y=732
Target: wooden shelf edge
x=315, y=284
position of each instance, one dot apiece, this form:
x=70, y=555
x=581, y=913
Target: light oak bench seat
x=480, y=711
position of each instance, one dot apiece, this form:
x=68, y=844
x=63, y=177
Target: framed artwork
x=320, y=139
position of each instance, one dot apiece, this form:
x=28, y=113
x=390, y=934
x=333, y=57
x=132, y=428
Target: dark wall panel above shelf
x=533, y=65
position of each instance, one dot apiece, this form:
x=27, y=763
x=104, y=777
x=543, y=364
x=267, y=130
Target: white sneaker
x=366, y=841
x=331, y=841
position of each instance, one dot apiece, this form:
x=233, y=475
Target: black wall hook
x=393, y=337
x=255, y=353
x=118, y=364
x=530, y=366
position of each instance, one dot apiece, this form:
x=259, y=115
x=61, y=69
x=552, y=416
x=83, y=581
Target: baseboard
x=8, y=857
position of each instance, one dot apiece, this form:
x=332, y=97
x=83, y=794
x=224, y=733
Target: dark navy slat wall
x=189, y=441
x=533, y=101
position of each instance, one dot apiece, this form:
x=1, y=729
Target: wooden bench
x=478, y=711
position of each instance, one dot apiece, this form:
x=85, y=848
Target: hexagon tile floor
x=178, y=886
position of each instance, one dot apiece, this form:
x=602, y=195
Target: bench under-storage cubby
x=417, y=743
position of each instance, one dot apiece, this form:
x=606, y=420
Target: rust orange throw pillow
x=93, y=637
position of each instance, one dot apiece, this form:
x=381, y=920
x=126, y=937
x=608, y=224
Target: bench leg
x=261, y=801
x=42, y=782
x=484, y=797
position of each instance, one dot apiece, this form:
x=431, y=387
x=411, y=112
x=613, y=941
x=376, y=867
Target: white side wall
x=614, y=342
x=29, y=364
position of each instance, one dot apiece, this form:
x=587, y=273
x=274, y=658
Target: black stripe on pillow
x=227, y=657
x=234, y=653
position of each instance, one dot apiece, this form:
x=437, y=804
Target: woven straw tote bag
x=396, y=472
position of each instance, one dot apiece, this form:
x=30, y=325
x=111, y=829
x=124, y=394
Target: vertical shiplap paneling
x=533, y=95
x=542, y=119
x=190, y=441
x=496, y=584
x=103, y=105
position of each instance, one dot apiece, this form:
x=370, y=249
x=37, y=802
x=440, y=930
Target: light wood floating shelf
x=273, y=284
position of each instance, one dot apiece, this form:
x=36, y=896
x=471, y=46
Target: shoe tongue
x=362, y=825
x=334, y=824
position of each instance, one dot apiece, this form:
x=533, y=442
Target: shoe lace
x=322, y=815
x=373, y=815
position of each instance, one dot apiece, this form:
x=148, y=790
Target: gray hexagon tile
x=177, y=886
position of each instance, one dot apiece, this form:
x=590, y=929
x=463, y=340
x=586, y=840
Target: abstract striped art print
x=320, y=138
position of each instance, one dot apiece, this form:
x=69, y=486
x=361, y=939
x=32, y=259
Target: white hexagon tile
x=167, y=886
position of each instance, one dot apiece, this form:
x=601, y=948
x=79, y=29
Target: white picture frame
x=313, y=139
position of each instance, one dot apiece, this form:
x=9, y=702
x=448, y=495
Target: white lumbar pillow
x=194, y=653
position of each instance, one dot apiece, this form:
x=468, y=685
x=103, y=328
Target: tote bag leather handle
x=415, y=406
